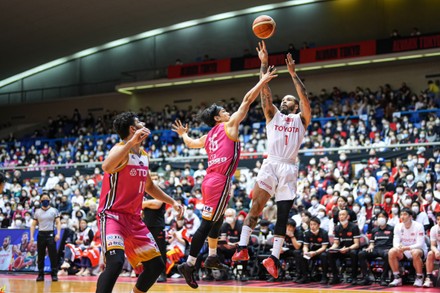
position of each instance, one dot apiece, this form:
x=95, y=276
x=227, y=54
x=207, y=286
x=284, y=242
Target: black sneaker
x=384, y=283
x=365, y=282
x=335, y=280
x=303, y=280
x=40, y=278
x=54, y=277
x=162, y=278
x=187, y=272
x=213, y=262
x=324, y=281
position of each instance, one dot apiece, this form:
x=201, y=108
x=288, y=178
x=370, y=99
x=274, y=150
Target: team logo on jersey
x=349, y=233
x=213, y=143
x=207, y=211
x=133, y=172
x=288, y=120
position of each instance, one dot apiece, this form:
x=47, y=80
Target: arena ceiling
x=36, y=32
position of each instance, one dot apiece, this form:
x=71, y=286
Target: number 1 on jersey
x=286, y=139
x=142, y=187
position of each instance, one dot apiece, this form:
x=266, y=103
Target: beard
x=287, y=110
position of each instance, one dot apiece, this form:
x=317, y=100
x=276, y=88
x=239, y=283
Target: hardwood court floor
x=25, y=283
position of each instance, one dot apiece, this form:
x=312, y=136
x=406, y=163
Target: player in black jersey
x=345, y=245
x=381, y=242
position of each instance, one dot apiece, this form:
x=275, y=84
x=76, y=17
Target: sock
x=245, y=234
x=277, y=245
x=191, y=260
x=212, y=251
x=419, y=276
x=396, y=275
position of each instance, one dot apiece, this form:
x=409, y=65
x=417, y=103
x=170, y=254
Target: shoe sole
x=269, y=267
x=235, y=258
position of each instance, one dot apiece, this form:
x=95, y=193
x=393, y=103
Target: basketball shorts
x=216, y=193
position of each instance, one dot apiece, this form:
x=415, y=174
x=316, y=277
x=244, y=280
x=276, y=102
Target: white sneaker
x=428, y=283
x=418, y=282
x=65, y=265
x=62, y=273
x=133, y=274
x=125, y=274
x=396, y=282
x=86, y=273
x=80, y=272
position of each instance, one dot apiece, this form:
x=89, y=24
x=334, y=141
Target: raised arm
x=304, y=103
x=248, y=99
x=182, y=131
x=269, y=108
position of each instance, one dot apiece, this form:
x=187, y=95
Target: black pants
x=352, y=254
x=305, y=264
x=159, y=236
x=367, y=256
x=46, y=239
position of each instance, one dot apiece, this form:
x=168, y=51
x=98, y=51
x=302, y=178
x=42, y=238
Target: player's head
x=214, y=114
x=289, y=105
x=2, y=182
x=406, y=215
x=126, y=123
x=6, y=241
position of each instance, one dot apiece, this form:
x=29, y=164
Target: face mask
x=263, y=230
x=180, y=223
x=321, y=215
x=408, y=201
x=363, y=190
x=399, y=190
x=388, y=200
x=8, y=209
x=269, y=204
x=356, y=209
x=410, y=178
x=437, y=170
x=329, y=191
x=76, y=208
x=415, y=210
x=229, y=220
x=20, y=208
x=18, y=223
x=394, y=210
x=381, y=221
x=63, y=226
x=45, y=203
x=2, y=218
x=27, y=218
x=314, y=202
x=343, y=223
x=367, y=200
x=343, y=158
x=376, y=211
x=428, y=197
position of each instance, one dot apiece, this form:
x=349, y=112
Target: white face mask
x=314, y=202
x=428, y=197
x=18, y=223
x=415, y=210
x=63, y=226
x=356, y=209
x=2, y=218
x=189, y=213
x=76, y=208
x=408, y=201
x=269, y=204
x=367, y=200
x=388, y=200
x=27, y=218
x=321, y=215
x=229, y=220
x=364, y=190
x=395, y=210
x=381, y=221
x=344, y=222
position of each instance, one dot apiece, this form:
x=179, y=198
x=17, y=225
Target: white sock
x=212, y=251
x=245, y=234
x=191, y=260
x=277, y=245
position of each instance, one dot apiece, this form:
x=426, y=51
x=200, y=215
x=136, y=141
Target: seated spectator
x=293, y=242
x=420, y=215
x=408, y=243
x=434, y=254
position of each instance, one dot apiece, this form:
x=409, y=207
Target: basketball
x=263, y=26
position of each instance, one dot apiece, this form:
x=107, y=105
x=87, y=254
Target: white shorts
x=278, y=178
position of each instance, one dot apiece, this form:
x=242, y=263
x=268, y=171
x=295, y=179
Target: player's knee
x=280, y=229
x=393, y=252
x=115, y=260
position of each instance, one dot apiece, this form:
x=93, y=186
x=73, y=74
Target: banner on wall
x=17, y=254
x=344, y=51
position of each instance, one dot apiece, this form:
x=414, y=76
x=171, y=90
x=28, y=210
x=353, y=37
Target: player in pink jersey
x=278, y=174
x=126, y=179
x=223, y=148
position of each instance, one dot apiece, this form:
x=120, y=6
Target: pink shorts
x=216, y=193
x=129, y=233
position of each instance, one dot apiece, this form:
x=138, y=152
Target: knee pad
x=114, y=260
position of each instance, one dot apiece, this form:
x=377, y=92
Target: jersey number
x=286, y=139
x=142, y=187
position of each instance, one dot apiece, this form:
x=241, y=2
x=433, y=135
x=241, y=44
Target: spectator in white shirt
x=315, y=206
x=420, y=216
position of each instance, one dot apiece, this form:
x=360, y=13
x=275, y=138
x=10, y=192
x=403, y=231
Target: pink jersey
x=223, y=152
x=123, y=190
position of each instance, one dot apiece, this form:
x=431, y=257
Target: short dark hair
x=122, y=123
x=408, y=211
x=207, y=116
x=291, y=222
x=316, y=220
x=383, y=213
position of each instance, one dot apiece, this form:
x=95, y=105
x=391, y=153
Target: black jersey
x=299, y=238
x=315, y=242
x=382, y=239
x=347, y=235
x=152, y=217
x=232, y=234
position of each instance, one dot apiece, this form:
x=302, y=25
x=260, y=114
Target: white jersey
x=285, y=134
x=5, y=258
x=413, y=237
x=435, y=235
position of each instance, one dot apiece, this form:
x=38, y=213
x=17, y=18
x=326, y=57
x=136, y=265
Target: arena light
x=359, y=62
x=431, y=54
x=410, y=57
x=182, y=82
x=334, y=65
x=384, y=60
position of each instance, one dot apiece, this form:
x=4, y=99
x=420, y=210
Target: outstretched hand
x=179, y=128
x=290, y=64
x=269, y=75
x=262, y=52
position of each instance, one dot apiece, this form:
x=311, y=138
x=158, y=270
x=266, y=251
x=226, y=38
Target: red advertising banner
x=254, y=62
x=327, y=53
x=200, y=68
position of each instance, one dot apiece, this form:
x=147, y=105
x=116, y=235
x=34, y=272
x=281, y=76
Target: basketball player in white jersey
x=278, y=174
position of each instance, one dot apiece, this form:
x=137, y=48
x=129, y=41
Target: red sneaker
x=271, y=265
x=241, y=255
